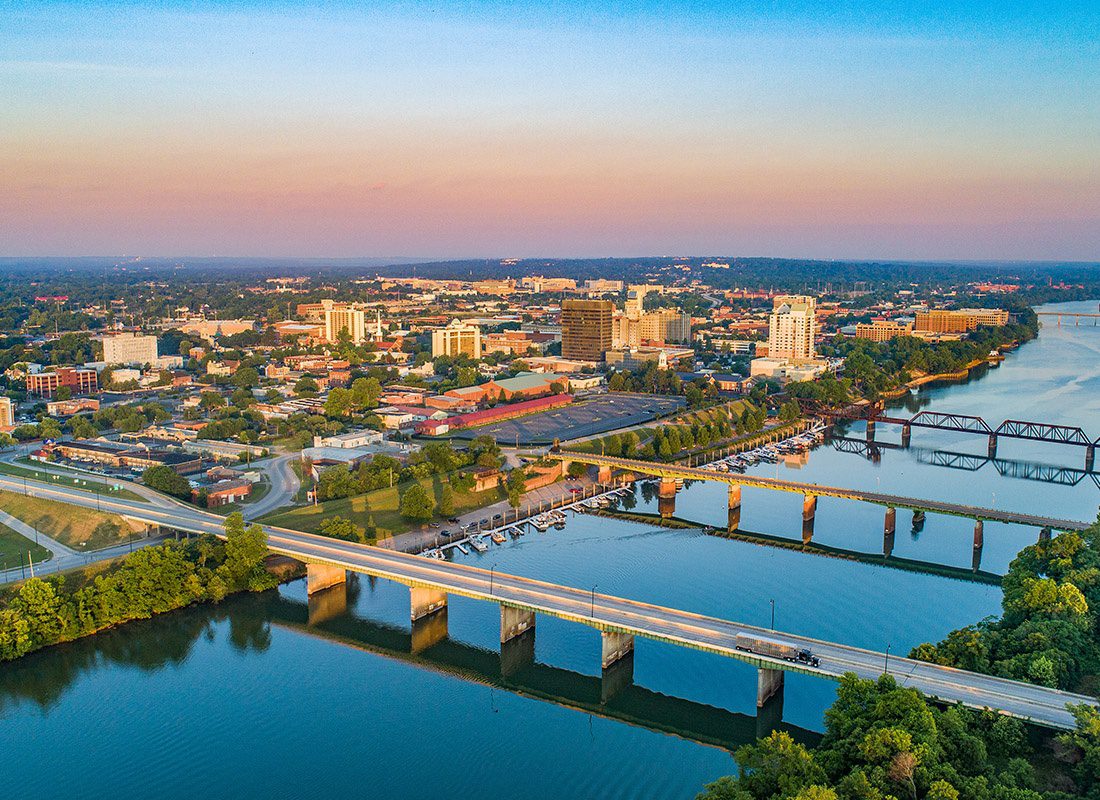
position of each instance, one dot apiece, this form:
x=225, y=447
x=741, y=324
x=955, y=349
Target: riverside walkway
x=618, y=619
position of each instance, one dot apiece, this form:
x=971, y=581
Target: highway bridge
x=670, y=474
x=618, y=619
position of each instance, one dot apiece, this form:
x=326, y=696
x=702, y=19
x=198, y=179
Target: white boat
x=499, y=537
x=479, y=545
x=542, y=523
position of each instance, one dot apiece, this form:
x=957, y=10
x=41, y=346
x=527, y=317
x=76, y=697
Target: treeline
x=884, y=742
x=382, y=471
x=1047, y=633
x=651, y=379
x=153, y=580
x=873, y=368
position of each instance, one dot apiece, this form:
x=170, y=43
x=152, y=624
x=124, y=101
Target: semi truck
x=773, y=648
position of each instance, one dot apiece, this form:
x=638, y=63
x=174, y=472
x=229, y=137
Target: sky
x=886, y=130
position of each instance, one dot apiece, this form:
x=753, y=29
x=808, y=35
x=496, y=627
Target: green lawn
x=78, y=480
x=14, y=548
x=76, y=527
x=382, y=504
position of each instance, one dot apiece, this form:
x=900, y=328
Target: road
x=1037, y=704
x=284, y=486
x=676, y=471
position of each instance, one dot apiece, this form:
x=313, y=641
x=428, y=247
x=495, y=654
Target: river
x=247, y=700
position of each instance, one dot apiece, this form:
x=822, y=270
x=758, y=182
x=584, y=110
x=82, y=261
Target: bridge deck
x=676, y=471
x=1038, y=704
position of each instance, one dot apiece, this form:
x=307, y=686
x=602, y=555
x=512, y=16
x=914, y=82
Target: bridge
x=1074, y=315
x=619, y=620
x=514, y=669
x=671, y=474
x=967, y=423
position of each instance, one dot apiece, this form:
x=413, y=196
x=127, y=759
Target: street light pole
x=492, y=570
x=886, y=670
x=592, y=608
x=773, y=613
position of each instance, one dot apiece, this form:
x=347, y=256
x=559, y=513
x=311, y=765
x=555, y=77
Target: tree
x=165, y=479
x=64, y=393
x=416, y=504
x=245, y=378
x=211, y=400
x=515, y=485
x=338, y=403
x=339, y=528
x=245, y=550
x=446, y=501
x=306, y=387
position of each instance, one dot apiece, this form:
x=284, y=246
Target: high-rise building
x=7, y=413
x=457, y=339
x=341, y=317
x=129, y=348
x=791, y=328
x=883, y=330
x=664, y=325
x=586, y=331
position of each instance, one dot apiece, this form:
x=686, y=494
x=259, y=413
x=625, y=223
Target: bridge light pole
x=886, y=669
x=772, y=601
x=592, y=607
x=492, y=569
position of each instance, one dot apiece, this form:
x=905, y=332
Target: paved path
x=1041, y=705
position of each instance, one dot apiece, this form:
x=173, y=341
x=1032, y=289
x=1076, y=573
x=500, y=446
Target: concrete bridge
x=619, y=620
x=671, y=475
x=514, y=669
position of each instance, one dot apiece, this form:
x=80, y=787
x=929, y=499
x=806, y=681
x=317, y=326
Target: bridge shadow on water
x=612, y=696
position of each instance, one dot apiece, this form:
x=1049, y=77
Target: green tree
x=416, y=504
x=165, y=479
x=446, y=501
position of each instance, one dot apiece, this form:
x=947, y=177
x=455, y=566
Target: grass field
x=14, y=548
x=382, y=504
x=78, y=480
x=73, y=526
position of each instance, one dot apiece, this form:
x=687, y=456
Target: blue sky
x=966, y=130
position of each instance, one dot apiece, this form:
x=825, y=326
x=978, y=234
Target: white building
x=129, y=348
x=457, y=339
x=791, y=328
x=351, y=439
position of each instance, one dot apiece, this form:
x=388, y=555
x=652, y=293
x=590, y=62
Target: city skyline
x=959, y=131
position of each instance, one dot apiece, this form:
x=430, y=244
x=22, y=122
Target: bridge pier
x=1090, y=457
x=614, y=646
x=666, y=497
x=889, y=526
x=515, y=622
x=428, y=631
x=324, y=576
x=870, y=431
x=424, y=601
x=1044, y=535
x=809, y=511
x=604, y=475
x=769, y=717
x=517, y=653
x=616, y=677
x=906, y=435
x=979, y=534
x=768, y=682
x=918, y=521
x=734, y=516
x=992, y=451
x=326, y=604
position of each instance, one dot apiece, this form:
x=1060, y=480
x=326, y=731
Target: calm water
x=248, y=700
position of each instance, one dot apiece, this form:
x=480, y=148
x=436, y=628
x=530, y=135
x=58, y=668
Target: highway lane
x=1038, y=704
x=822, y=490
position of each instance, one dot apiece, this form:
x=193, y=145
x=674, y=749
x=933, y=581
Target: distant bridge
x=967, y=423
x=1076, y=316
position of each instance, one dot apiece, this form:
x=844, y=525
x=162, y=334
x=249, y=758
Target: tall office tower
x=126, y=348
x=345, y=318
x=457, y=339
x=7, y=413
x=586, y=329
x=791, y=328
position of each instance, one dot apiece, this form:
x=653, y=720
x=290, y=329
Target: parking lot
x=597, y=415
